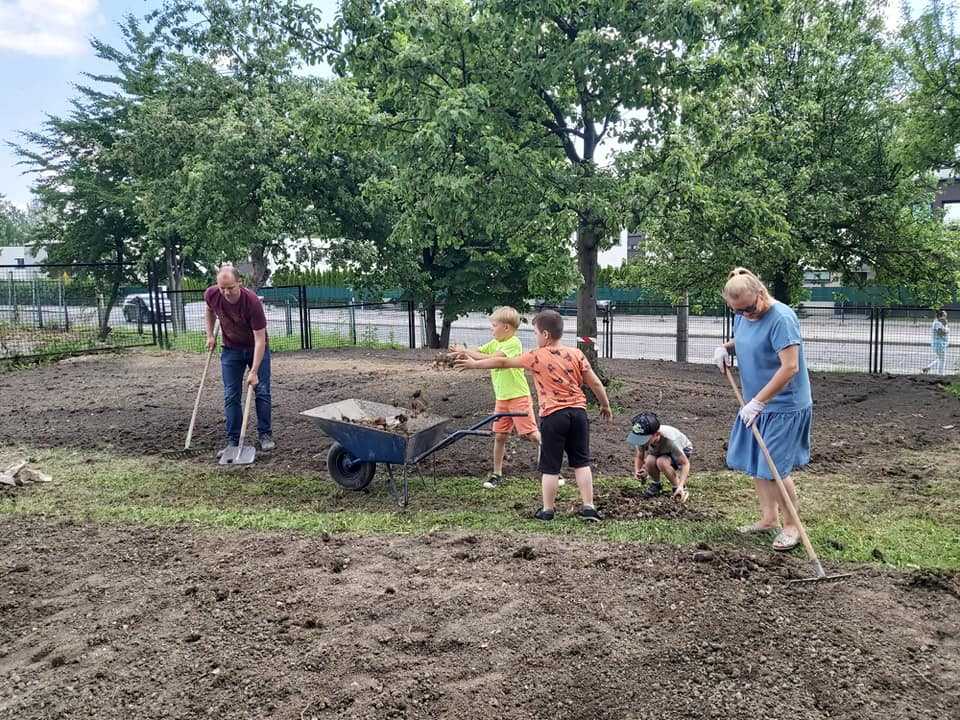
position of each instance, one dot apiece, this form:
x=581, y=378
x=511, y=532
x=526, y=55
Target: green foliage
x=929, y=57
x=15, y=225
x=791, y=164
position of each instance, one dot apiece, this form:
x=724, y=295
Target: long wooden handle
x=811, y=553
x=203, y=378
x=246, y=416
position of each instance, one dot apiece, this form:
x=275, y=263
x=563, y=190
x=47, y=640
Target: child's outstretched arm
x=593, y=382
x=489, y=362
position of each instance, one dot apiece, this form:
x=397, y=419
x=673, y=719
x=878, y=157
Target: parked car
x=603, y=306
x=136, y=307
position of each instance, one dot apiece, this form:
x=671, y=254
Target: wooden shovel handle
x=811, y=553
x=246, y=416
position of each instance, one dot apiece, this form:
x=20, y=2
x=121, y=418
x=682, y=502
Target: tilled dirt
x=132, y=622
x=140, y=403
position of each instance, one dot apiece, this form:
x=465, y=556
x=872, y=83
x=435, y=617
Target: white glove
x=749, y=412
x=721, y=358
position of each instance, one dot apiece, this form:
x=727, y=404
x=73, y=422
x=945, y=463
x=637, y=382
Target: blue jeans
x=233, y=363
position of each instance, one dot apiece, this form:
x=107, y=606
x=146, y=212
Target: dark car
x=136, y=308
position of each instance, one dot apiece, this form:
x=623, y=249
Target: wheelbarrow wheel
x=346, y=471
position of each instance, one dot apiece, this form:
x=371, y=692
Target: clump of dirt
x=627, y=503
x=445, y=361
x=935, y=581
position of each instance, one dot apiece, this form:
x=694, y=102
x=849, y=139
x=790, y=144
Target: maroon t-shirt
x=237, y=320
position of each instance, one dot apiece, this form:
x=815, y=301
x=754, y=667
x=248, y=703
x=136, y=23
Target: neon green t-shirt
x=508, y=383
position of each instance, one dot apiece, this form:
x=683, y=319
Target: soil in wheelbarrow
x=139, y=403
x=130, y=622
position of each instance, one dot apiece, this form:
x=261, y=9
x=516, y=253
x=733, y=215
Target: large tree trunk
x=587, y=294
x=781, y=285
x=261, y=272
x=445, y=333
x=118, y=250
x=430, y=323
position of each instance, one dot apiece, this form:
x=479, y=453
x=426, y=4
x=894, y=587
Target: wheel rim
x=343, y=461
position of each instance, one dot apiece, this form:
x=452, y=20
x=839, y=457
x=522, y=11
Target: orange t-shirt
x=558, y=374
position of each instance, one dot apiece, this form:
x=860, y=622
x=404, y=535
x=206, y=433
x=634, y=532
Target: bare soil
x=140, y=404
x=132, y=622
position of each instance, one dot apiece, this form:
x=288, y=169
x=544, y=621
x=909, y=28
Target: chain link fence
x=49, y=310
x=68, y=309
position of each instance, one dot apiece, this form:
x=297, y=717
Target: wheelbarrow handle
x=473, y=430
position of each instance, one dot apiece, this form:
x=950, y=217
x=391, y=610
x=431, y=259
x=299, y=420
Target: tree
x=89, y=209
x=550, y=80
x=930, y=60
x=473, y=219
x=235, y=172
x=791, y=164
x=14, y=224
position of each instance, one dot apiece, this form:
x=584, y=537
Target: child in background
x=558, y=372
x=660, y=450
x=510, y=389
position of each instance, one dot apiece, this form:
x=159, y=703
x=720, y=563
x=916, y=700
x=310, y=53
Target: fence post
x=36, y=301
x=307, y=322
x=63, y=304
x=604, y=350
x=288, y=317
x=411, y=325
x=15, y=312
x=871, y=340
x=683, y=315
x=883, y=323
x=352, y=312
x=99, y=310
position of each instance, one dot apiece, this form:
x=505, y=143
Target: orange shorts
x=523, y=425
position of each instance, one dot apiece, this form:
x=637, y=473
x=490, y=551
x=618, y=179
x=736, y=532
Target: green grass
x=847, y=520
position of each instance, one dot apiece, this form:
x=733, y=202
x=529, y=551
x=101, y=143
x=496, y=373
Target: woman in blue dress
x=773, y=374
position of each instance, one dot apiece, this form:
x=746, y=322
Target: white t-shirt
x=672, y=442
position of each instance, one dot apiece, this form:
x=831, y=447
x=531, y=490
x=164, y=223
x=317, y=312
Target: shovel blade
x=239, y=455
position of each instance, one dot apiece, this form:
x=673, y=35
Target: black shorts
x=565, y=430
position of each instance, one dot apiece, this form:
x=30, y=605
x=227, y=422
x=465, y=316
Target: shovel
x=818, y=572
x=241, y=454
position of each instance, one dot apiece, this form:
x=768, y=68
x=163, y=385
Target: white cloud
x=46, y=27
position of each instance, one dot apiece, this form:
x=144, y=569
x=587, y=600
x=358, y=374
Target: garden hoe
x=241, y=454
x=818, y=572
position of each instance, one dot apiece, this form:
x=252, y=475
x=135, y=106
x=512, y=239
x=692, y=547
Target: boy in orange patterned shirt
x=558, y=372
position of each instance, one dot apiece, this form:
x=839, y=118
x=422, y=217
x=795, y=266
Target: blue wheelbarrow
x=367, y=433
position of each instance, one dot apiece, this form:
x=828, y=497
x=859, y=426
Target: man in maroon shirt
x=245, y=345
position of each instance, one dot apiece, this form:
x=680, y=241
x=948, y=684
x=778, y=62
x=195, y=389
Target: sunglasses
x=748, y=310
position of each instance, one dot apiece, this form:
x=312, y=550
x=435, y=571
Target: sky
x=45, y=48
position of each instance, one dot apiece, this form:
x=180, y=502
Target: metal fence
x=54, y=309
x=65, y=309
x=294, y=321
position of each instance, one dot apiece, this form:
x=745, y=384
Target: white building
x=21, y=261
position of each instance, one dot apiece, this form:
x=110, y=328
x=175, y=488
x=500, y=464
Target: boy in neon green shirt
x=510, y=388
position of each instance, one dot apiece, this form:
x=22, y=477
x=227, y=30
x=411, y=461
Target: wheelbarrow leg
x=401, y=495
